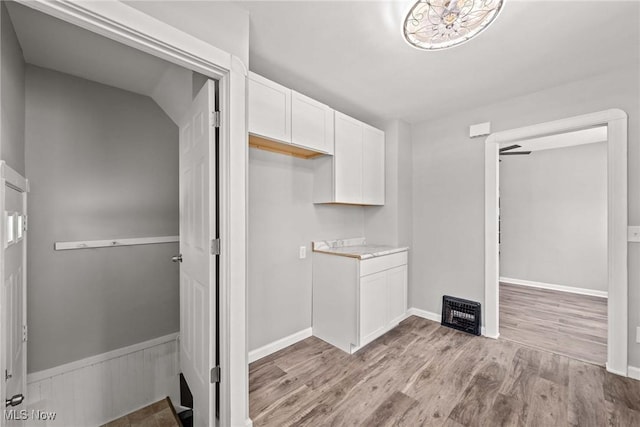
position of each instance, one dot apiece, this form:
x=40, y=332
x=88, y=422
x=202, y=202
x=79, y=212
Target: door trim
x=117, y=21
x=616, y=122
x=11, y=178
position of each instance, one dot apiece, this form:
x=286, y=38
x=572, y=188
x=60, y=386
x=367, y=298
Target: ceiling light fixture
x=441, y=24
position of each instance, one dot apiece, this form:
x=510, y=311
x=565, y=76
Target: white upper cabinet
x=372, y=166
x=285, y=121
x=269, y=109
x=311, y=124
x=355, y=174
x=347, y=161
x=279, y=114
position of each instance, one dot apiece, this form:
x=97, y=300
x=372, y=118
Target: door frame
x=117, y=21
x=616, y=122
x=9, y=177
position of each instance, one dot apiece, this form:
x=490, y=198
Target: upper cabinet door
x=348, y=159
x=269, y=109
x=373, y=178
x=311, y=124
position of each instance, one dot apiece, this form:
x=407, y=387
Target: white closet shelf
x=86, y=244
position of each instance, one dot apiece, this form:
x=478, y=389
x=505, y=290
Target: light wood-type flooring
x=159, y=414
x=423, y=374
x=561, y=322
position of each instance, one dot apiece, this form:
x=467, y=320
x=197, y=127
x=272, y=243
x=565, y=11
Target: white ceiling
x=54, y=44
x=351, y=54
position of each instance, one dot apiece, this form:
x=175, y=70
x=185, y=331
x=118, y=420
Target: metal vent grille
x=461, y=314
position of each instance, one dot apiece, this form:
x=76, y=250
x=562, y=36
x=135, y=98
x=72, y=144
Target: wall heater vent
x=461, y=314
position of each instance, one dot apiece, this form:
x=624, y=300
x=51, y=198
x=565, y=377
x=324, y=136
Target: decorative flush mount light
x=440, y=24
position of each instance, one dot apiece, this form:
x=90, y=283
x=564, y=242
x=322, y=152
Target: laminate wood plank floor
x=564, y=323
x=423, y=374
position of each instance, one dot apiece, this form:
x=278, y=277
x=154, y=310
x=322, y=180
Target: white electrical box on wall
x=633, y=233
x=481, y=129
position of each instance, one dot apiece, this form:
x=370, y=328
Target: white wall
x=448, y=186
x=282, y=217
x=553, y=210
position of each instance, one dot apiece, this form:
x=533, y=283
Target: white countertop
x=355, y=248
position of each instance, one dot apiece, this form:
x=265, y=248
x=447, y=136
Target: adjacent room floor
x=421, y=373
x=569, y=324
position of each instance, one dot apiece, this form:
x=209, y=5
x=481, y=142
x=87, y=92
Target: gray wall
x=553, y=210
x=102, y=163
x=12, y=90
x=384, y=224
x=282, y=217
x=448, y=186
x=220, y=23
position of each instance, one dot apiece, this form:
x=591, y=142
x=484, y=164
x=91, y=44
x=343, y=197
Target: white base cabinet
x=356, y=301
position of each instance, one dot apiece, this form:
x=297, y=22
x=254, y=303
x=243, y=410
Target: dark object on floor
x=186, y=398
x=461, y=314
x=186, y=418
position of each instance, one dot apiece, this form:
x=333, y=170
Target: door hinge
x=25, y=333
x=24, y=223
x=215, y=374
x=215, y=117
x=215, y=246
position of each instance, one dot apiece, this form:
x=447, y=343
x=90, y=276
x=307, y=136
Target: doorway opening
x=553, y=243
x=615, y=122
x=105, y=126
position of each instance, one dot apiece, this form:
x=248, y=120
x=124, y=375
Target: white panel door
x=373, y=179
x=348, y=159
x=396, y=294
x=373, y=306
x=197, y=270
x=311, y=124
x=269, y=109
x=14, y=310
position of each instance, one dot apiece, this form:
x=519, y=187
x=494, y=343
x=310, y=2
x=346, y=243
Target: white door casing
x=198, y=267
x=617, y=223
x=13, y=298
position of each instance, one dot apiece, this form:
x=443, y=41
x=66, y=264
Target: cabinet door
x=373, y=306
x=373, y=179
x=396, y=294
x=348, y=159
x=311, y=124
x=269, y=109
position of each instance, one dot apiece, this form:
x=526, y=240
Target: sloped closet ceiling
x=51, y=43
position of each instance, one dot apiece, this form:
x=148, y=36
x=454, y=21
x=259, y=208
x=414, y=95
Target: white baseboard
x=553, y=287
x=633, y=372
x=101, y=388
x=425, y=314
x=429, y=315
x=613, y=371
x=272, y=347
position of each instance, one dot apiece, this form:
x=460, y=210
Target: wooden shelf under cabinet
x=281, y=148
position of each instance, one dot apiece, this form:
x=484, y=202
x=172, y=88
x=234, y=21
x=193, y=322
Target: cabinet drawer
x=374, y=265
